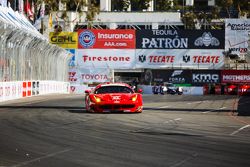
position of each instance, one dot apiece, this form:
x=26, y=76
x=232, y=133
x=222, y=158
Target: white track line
x=195, y=102
x=237, y=131
x=163, y=107
x=40, y=158
x=172, y=120
x=150, y=127
x=213, y=110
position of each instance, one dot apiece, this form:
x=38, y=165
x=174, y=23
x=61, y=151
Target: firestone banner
x=179, y=58
x=237, y=35
x=106, y=39
x=180, y=39
x=106, y=58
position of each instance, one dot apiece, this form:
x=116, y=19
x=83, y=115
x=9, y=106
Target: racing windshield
x=113, y=89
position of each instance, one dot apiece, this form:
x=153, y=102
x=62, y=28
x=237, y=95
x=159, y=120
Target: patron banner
x=180, y=39
x=106, y=58
x=179, y=58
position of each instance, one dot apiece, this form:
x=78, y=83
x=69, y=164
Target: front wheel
x=87, y=106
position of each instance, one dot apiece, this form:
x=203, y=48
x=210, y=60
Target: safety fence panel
x=25, y=54
x=22, y=89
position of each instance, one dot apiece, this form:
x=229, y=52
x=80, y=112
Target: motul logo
x=211, y=78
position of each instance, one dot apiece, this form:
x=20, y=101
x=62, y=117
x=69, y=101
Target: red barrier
x=24, y=89
x=29, y=89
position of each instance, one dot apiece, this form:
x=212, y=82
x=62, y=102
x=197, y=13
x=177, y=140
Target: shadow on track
x=243, y=106
x=185, y=109
x=166, y=133
x=83, y=110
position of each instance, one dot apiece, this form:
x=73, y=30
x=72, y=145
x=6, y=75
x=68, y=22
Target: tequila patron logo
x=207, y=39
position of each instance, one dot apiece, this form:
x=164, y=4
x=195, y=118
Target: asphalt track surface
x=172, y=131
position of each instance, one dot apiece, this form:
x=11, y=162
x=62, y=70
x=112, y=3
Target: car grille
x=117, y=106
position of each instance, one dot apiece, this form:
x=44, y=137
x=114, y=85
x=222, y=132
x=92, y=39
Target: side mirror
x=139, y=91
x=87, y=91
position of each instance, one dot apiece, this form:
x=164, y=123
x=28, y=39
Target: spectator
x=135, y=84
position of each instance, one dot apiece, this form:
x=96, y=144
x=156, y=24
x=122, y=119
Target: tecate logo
x=210, y=78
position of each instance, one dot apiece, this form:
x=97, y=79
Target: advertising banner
x=235, y=76
x=106, y=39
x=74, y=76
x=201, y=77
x=106, y=58
x=78, y=89
x=67, y=40
x=171, y=76
x=90, y=75
x=179, y=58
x=237, y=35
x=180, y=39
x=72, y=61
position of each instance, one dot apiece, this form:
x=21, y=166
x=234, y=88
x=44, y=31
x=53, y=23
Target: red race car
x=113, y=97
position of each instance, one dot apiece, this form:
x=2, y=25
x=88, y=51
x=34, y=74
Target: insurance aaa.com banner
x=179, y=58
x=106, y=39
x=106, y=58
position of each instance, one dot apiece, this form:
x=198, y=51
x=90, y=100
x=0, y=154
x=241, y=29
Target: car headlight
x=97, y=99
x=134, y=98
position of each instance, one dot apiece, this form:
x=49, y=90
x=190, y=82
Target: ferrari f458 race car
x=113, y=97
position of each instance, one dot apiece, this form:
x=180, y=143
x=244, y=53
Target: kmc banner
x=201, y=77
x=179, y=58
x=237, y=35
x=106, y=58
